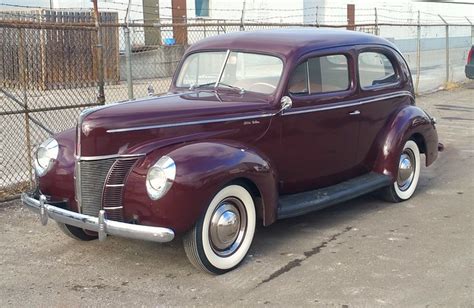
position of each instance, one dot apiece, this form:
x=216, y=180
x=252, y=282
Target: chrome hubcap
x=406, y=170
x=227, y=227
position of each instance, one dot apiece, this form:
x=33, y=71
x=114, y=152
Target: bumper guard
x=100, y=224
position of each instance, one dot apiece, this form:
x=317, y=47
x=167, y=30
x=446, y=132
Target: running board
x=308, y=201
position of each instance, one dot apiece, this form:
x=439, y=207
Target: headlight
x=160, y=177
x=45, y=156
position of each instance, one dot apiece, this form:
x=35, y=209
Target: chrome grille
x=113, y=191
x=101, y=185
x=92, y=175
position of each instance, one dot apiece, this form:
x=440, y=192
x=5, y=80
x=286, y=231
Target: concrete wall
x=157, y=63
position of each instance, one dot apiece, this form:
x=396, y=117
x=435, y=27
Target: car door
x=320, y=131
x=384, y=86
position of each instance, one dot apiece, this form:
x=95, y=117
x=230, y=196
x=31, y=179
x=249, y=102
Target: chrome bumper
x=100, y=224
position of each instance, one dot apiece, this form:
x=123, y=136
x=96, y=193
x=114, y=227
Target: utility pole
x=99, y=54
x=350, y=17
x=179, y=14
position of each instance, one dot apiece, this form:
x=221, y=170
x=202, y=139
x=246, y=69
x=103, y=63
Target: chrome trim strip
x=77, y=185
x=118, y=156
x=119, y=130
x=114, y=185
x=345, y=104
x=308, y=84
x=342, y=104
x=112, y=207
x=98, y=224
x=222, y=68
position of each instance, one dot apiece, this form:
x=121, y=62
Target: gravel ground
x=363, y=252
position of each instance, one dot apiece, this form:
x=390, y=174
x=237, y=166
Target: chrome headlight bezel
x=45, y=156
x=160, y=177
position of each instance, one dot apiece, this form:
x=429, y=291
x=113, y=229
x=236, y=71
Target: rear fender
x=410, y=122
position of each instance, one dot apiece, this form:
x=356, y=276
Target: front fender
x=202, y=169
x=408, y=122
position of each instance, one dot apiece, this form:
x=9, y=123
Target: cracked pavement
x=364, y=252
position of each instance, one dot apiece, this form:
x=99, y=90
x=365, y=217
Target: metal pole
x=447, y=48
x=24, y=80
x=376, y=23
x=317, y=13
x=128, y=61
x=242, y=16
x=472, y=29
x=100, y=59
x=418, y=53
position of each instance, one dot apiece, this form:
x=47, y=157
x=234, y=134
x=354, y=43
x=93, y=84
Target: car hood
x=124, y=127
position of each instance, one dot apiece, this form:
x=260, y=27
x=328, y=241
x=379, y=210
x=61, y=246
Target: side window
x=375, y=69
x=299, y=80
x=326, y=74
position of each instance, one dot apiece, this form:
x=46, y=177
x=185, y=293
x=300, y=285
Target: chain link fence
x=49, y=70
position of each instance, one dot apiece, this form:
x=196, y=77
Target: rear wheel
x=76, y=233
x=222, y=236
x=409, y=167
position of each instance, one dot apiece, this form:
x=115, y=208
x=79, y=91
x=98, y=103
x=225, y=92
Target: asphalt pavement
x=364, y=252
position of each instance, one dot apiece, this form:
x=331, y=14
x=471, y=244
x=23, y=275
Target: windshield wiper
x=241, y=90
x=193, y=86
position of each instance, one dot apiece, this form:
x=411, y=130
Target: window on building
x=375, y=69
x=202, y=8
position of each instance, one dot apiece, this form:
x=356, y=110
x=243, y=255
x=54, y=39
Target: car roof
x=289, y=41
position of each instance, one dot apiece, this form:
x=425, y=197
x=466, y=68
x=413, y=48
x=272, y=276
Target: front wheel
x=409, y=167
x=222, y=236
x=76, y=233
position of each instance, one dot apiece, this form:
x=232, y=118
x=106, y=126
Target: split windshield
x=239, y=70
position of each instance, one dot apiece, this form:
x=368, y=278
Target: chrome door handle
x=355, y=112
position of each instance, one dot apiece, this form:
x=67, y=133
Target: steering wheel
x=261, y=84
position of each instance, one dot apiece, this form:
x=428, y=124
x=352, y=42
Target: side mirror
x=286, y=103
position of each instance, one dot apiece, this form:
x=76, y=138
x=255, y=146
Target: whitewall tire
x=409, y=167
x=222, y=236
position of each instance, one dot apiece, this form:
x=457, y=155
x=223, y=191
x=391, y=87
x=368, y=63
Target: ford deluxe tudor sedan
x=256, y=127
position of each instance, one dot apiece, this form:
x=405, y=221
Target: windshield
x=240, y=70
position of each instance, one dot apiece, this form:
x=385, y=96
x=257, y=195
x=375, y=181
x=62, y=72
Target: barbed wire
x=411, y=15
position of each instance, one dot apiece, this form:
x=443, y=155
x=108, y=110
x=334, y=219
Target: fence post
x=472, y=29
x=23, y=66
x=128, y=61
x=418, y=53
x=317, y=15
x=242, y=16
x=100, y=59
x=376, y=22
x=447, y=48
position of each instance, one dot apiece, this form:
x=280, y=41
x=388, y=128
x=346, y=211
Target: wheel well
x=254, y=191
x=420, y=142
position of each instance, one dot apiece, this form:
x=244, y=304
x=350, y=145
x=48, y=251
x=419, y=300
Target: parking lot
x=364, y=252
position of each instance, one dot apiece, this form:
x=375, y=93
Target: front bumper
x=100, y=224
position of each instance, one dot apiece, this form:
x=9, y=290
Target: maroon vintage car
x=257, y=126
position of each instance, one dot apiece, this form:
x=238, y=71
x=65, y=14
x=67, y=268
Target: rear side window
x=320, y=75
x=375, y=69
